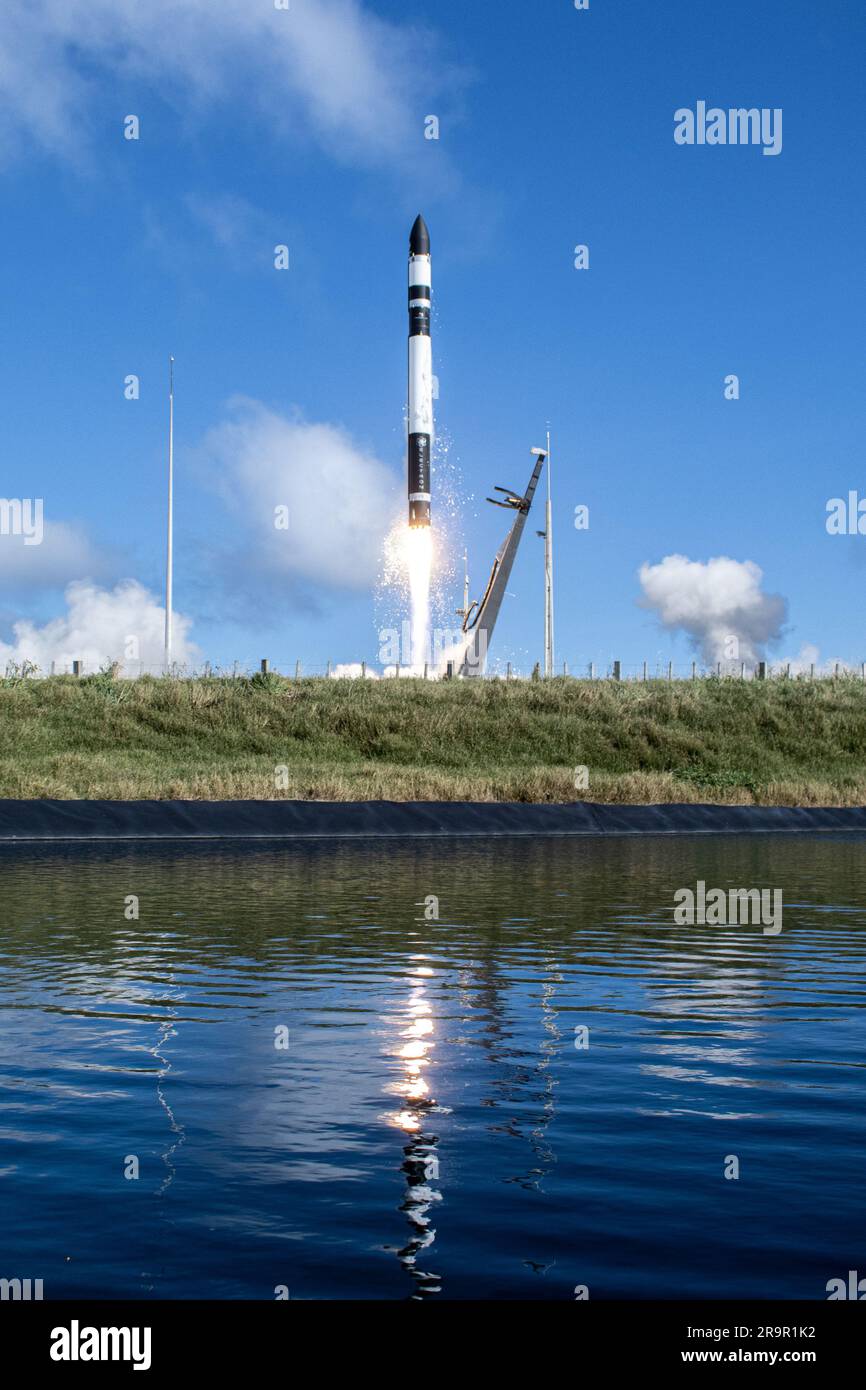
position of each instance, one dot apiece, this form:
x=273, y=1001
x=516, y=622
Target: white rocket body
x=420, y=430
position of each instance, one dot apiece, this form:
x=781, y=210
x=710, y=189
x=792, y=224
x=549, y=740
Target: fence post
x=592, y=670
x=425, y=670
x=328, y=668
x=565, y=668
x=76, y=668
x=297, y=670
x=508, y=672
x=742, y=670
x=363, y=669
x=617, y=670
x=761, y=671
x=449, y=670
x=670, y=670
x=264, y=665
x=694, y=670
x=644, y=670
x=397, y=671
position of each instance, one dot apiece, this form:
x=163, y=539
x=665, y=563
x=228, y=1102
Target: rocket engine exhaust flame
x=419, y=556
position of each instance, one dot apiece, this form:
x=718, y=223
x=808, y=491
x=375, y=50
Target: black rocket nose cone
x=419, y=238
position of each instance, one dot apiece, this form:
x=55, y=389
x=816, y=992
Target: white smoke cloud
x=97, y=628
x=809, y=658
x=339, y=499
x=713, y=602
x=353, y=671
x=329, y=65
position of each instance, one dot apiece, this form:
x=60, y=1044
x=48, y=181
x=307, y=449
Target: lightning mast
x=548, y=576
x=169, y=560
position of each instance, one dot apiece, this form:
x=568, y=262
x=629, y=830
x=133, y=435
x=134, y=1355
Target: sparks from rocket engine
x=394, y=586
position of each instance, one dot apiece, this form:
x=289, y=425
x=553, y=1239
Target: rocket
x=420, y=376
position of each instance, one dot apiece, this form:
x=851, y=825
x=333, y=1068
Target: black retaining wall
x=298, y=820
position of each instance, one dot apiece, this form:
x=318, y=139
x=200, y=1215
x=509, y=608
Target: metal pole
x=169, y=560
x=548, y=576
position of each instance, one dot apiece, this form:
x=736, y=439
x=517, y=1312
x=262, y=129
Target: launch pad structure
x=480, y=619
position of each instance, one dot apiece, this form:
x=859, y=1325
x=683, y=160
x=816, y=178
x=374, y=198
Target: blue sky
x=556, y=128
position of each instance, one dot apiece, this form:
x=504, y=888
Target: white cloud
x=712, y=602
x=331, y=65
x=340, y=499
x=96, y=629
x=65, y=553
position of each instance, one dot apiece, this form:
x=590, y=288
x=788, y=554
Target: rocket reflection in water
x=420, y=1162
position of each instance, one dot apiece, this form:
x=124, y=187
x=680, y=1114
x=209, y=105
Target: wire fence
x=611, y=670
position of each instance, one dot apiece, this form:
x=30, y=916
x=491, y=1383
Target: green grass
x=781, y=742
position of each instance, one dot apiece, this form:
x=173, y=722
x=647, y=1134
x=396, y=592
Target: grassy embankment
x=783, y=742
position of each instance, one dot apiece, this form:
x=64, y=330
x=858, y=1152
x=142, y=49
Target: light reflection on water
x=431, y=1130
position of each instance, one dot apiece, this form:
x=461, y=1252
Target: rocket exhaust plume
x=420, y=436
x=418, y=560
